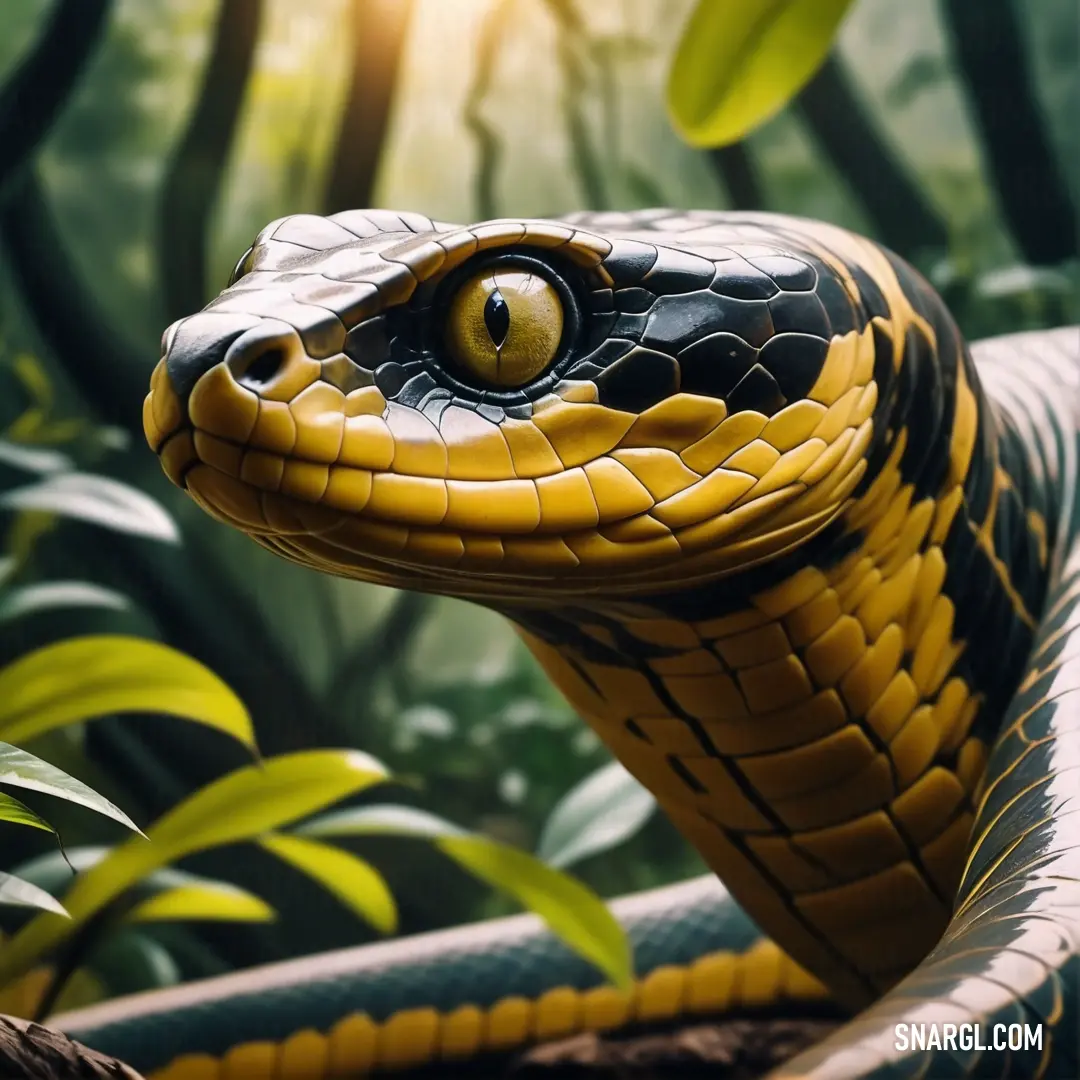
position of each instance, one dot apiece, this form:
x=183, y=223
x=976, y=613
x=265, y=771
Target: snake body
x=804, y=561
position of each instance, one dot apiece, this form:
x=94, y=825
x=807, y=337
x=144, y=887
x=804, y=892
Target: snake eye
x=504, y=326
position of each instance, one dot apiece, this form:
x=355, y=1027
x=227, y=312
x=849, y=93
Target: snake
x=804, y=560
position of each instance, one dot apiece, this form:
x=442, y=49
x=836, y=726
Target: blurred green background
x=194, y=122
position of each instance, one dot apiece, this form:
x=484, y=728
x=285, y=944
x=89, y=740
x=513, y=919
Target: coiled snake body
x=805, y=563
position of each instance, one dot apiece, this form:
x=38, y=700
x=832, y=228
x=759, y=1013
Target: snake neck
x=817, y=726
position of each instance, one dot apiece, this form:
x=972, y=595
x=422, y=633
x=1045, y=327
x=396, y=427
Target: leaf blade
x=606, y=808
x=96, y=500
x=24, y=770
x=572, y=911
x=239, y=806
x=737, y=64
x=205, y=901
x=354, y=881
x=14, y=892
x=85, y=677
x=50, y=595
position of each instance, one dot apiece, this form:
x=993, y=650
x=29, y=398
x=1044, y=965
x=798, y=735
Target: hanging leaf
x=605, y=809
x=15, y=892
x=380, y=819
x=356, y=883
x=573, y=911
x=33, y=459
x=95, y=499
x=20, y=769
x=87, y=677
x=737, y=64
x=16, y=812
x=214, y=901
x=50, y=595
x=240, y=806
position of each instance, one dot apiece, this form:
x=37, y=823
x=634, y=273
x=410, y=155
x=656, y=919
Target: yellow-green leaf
x=215, y=901
x=738, y=63
x=86, y=677
x=15, y=892
x=20, y=814
x=356, y=883
x=22, y=769
x=572, y=910
x=240, y=806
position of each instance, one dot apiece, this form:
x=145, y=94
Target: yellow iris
x=504, y=326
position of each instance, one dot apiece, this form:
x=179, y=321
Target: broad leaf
x=215, y=901
x=50, y=595
x=33, y=459
x=606, y=808
x=15, y=892
x=738, y=63
x=380, y=819
x=20, y=769
x=573, y=911
x=240, y=806
x=19, y=814
x=98, y=500
x=87, y=677
x=356, y=883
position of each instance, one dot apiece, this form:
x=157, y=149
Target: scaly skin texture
x=753, y=507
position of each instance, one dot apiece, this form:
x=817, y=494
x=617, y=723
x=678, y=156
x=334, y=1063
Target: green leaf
x=215, y=901
x=572, y=911
x=49, y=595
x=737, y=63
x=24, y=770
x=16, y=812
x=606, y=808
x=380, y=819
x=15, y=892
x=356, y=883
x=98, y=500
x=33, y=459
x=87, y=677
x=240, y=806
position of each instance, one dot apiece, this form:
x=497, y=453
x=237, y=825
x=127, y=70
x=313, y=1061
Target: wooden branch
x=193, y=178
x=844, y=130
x=41, y=84
x=988, y=49
x=102, y=364
x=379, y=31
x=31, y=1052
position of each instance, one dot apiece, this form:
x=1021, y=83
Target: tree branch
x=987, y=46
x=41, y=84
x=735, y=169
x=488, y=144
x=106, y=368
x=194, y=176
x=847, y=135
x=379, y=29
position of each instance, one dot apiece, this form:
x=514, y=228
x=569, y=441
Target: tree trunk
x=32, y=1052
x=378, y=34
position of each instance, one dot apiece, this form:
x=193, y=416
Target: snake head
x=604, y=404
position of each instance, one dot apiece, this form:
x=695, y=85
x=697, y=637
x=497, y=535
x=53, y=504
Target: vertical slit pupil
x=497, y=318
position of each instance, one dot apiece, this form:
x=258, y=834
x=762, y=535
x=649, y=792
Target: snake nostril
x=262, y=368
